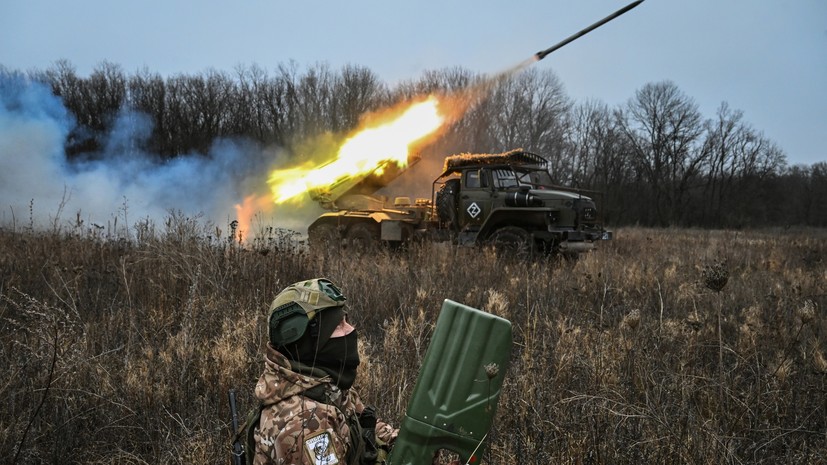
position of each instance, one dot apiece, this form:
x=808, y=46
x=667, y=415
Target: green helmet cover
x=295, y=306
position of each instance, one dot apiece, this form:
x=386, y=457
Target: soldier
x=310, y=415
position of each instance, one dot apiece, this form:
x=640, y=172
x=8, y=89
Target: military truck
x=505, y=200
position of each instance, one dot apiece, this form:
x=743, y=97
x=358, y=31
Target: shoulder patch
x=320, y=449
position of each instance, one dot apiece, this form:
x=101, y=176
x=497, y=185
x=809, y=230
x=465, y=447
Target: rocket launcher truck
x=506, y=200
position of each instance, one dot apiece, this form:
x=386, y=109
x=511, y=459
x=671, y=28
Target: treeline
x=656, y=159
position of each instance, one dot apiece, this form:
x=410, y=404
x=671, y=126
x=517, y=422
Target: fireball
x=362, y=153
x=387, y=139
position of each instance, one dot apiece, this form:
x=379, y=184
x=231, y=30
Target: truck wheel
x=324, y=236
x=513, y=241
x=446, y=203
x=363, y=237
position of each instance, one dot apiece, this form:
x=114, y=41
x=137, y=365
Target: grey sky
x=767, y=58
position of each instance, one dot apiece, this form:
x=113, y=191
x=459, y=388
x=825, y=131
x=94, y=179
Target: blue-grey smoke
x=39, y=187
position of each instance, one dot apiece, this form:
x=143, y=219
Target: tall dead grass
x=122, y=351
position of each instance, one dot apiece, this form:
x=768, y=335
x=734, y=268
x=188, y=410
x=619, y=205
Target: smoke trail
x=41, y=188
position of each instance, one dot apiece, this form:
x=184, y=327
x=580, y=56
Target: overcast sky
x=767, y=58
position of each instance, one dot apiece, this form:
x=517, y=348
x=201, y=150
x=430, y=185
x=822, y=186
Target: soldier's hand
x=437, y=460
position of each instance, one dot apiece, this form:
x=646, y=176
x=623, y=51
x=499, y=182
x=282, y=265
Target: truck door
x=475, y=198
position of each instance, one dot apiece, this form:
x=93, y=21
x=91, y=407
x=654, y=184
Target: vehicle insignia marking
x=474, y=210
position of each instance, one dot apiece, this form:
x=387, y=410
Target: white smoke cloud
x=40, y=187
x=33, y=126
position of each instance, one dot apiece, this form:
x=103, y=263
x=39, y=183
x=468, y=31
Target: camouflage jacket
x=297, y=430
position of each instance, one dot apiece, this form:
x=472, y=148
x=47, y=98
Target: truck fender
x=511, y=217
x=395, y=231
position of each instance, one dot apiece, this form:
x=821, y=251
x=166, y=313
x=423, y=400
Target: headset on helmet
x=297, y=305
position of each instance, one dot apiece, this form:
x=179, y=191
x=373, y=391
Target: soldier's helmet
x=300, y=305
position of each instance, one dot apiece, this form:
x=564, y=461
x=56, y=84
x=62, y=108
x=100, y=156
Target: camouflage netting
x=516, y=156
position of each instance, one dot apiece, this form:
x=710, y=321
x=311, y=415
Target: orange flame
x=363, y=152
x=245, y=212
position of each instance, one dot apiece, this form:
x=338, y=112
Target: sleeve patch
x=319, y=448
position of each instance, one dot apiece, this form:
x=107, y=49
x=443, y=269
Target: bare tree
x=66, y=84
x=307, y=100
x=530, y=111
x=721, y=138
x=105, y=92
x=147, y=94
x=94, y=102
x=663, y=126
x=599, y=158
x=199, y=110
x=816, y=200
x=447, y=81
x=740, y=160
x=356, y=91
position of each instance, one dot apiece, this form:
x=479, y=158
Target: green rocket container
x=455, y=397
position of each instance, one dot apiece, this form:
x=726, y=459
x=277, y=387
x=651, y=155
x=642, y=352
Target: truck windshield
x=533, y=178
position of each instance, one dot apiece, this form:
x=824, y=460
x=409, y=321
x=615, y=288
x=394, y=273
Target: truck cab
x=509, y=200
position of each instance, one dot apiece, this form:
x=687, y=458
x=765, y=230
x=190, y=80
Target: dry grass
x=123, y=351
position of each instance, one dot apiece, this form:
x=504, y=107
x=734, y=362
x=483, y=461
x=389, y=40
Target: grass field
x=664, y=346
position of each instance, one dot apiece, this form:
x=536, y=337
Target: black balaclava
x=317, y=354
